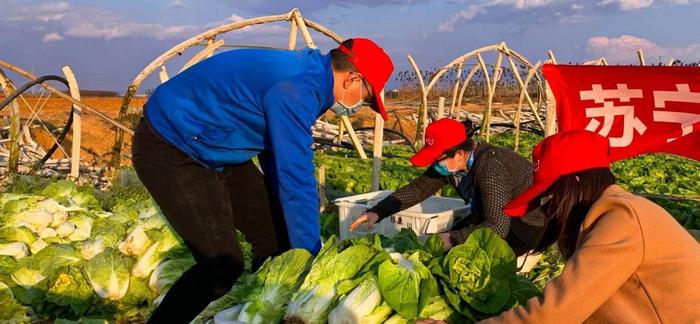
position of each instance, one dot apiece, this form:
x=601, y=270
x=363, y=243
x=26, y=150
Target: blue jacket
x=253, y=102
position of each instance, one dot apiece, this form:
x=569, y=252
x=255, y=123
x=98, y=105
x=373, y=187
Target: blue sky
x=108, y=42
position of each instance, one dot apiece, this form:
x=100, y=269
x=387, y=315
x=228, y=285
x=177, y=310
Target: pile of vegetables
x=375, y=279
x=63, y=256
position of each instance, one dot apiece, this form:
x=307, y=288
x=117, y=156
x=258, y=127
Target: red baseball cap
x=560, y=154
x=374, y=65
x=440, y=136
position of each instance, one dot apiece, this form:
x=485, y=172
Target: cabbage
x=83, y=228
x=69, y=287
x=283, y=276
x=37, y=246
x=167, y=272
x=47, y=233
x=108, y=273
x=406, y=284
x=362, y=306
x=59, y=189
x=16, y=250
x=27, y=277
x=320, y=289
x=89, y=249
x=17, y=234
x=148, y=261
x=65, y=229
x=481, y=273
x=11, y=311
x=135, y=243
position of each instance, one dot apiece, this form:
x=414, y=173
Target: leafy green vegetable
x=108, y=273
x=283, y=277
x=11, y=311
x=406, y=284
x=362, y=305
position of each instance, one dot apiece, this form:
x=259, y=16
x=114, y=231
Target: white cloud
x=92, y=22
x=52, y=37
x=627, y=5
x=576, y=6
x=475, y=10
x=623, y=49
x=179, y=4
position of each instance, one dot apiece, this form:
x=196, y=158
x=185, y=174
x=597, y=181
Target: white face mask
x=344, y=110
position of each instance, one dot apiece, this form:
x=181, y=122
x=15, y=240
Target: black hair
x=340, y=60
x=572, y=197
x=467, y=144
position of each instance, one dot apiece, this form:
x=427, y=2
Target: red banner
x=640, y=109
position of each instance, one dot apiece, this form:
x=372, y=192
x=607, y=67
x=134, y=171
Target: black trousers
x=205, y=208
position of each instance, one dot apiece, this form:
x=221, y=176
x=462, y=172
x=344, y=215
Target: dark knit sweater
x=498, y=175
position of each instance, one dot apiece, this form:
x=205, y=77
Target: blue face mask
x=342, y=109
x=441, y=168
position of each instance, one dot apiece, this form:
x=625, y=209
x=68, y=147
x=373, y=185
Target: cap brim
x=425, y=157
x=378, y=104
x=520, y=205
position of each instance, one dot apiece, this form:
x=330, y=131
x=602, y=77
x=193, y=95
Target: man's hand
x=446, y=240
x=367, y=217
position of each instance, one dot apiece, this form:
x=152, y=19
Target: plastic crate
x=433, y=215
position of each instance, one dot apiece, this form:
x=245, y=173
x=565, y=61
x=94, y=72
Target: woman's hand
x=446, y=240
x=367, y=217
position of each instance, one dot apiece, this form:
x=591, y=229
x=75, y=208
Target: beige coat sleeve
x=609, y=254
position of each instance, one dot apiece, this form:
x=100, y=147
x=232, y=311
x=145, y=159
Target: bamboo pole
x=523, y=87
x=485, y=120
x=456, y=88
x=67, y=97
x=77, y=123
x=296, y=15
x=671, y=61
x=423, y=110
x=353, y=137
x=163, y=74
x=292, y=43
x=464, y=88
x=441, y=108
x=8, y=87
x=518, y=114
x=377, y=148
x=206, y=52
x=640, y=55
x=550, y=55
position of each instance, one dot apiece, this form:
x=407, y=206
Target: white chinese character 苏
x=608, y=112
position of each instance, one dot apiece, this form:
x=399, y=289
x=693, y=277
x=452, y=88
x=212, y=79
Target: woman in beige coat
x=628, y=260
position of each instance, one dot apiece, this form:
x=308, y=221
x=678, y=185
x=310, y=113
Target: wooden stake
x=487, y=112
x=322, y=188
x=77, y=123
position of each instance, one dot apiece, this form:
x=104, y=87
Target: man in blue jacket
x=193, y=151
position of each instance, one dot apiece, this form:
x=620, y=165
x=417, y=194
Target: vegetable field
x=71, y=253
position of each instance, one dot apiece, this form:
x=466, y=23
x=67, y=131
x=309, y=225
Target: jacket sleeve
x=491, y=183
x=416, y=191
x=609, y=254
x=290, y=111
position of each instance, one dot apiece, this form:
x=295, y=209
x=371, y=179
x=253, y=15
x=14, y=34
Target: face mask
x=442, y=169
x=342, y=110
